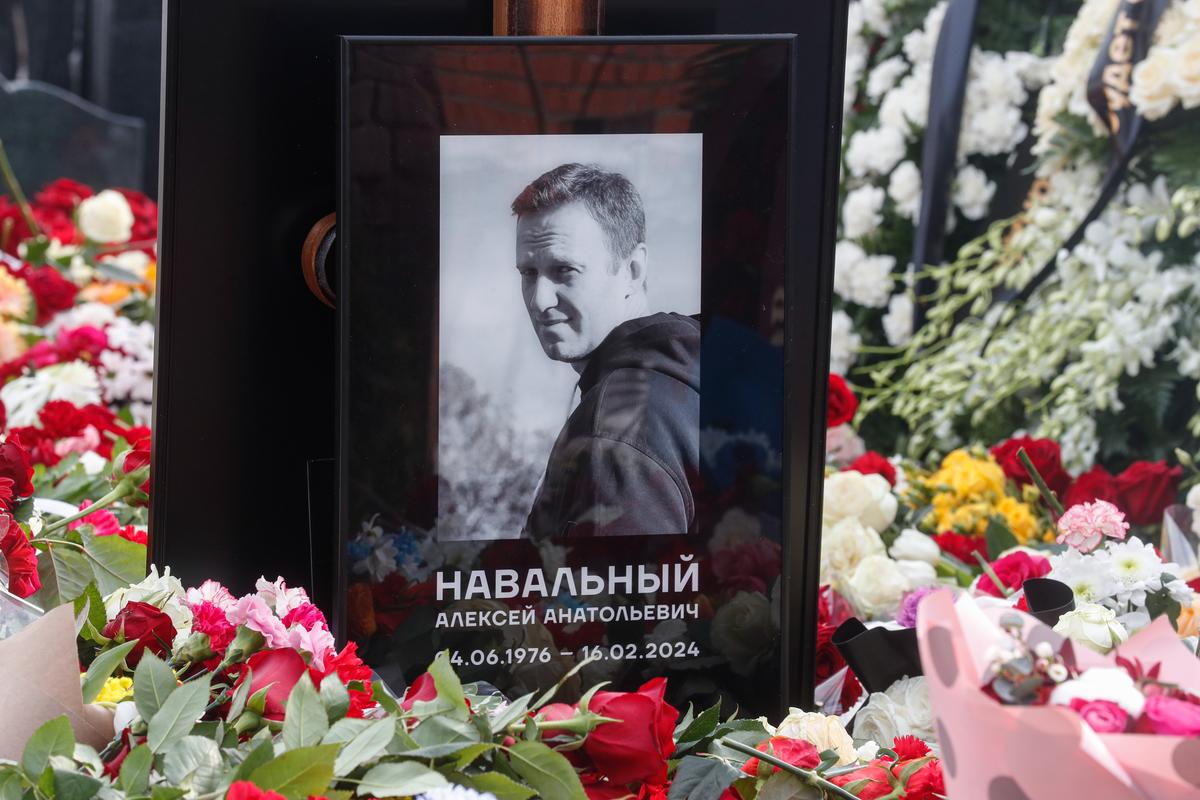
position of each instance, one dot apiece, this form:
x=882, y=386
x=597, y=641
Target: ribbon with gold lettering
x=1129, y=38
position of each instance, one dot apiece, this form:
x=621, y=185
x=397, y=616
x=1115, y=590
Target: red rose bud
x=637, y=747
x=422, y=689
x=872, y=463
x=1145, y=489
x=141, y=622
x=134, y=466
x=277, y=669
x=1045, y=456
x=14, y=465
x=841, y=404
x=796, y=752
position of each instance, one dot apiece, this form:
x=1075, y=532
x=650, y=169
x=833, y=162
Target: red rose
x=842, y=403
x=1145, y=490
x=245, y=790
x=23, y=578
x=961, y=546
x=1095, y=484
x=1045, y=455
x=749, y=567
x=554, y=712
x=149, y=626
x=63, y=195
x=51, y=291
x=796, y=752
x=14, y=465
x=872, y=463
x=829, y=661
x=145, y=215
x=280, y=669
x=926, y=783
x=138, y=457
x=1013, y=570
x=422, y=689
x=637, y=747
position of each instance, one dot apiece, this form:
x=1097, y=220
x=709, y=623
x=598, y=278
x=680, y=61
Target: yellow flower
x=1019, y=518
x=968, y=477
x=15, y=297
x=115, y=690
x=1189, y=620
x=108, y=292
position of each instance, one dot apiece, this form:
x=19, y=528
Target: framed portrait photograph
x=581, y=364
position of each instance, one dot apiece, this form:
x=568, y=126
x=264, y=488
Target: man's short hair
x=608, y=196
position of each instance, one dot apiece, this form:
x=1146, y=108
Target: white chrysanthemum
x=973, y=192
x=73, y=381
x=874, y=151
x=904, y=187
x=97, y=315
x=843, y=344
x=898, y=321
x=861, y=211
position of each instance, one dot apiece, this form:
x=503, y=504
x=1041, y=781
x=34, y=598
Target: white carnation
x=898, y=321
x=862, y=279
x=973, y=192
x=904, y=187
x=843, y=344
x=861, y=211
x=874, y=151
x=106, y=218
x=884, y=76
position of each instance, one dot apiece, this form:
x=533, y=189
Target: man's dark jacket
x=622, y=463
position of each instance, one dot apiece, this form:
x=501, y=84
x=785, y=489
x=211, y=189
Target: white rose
x=1153, y=90
x=744, y=632
x=879, y=720
x=825, y=732
x=843, y=546
x=911, y=698
x=973, y=192
x=106, y=218
x=915, y=546
x=898, y=321
x=904, y=187
x=1101, y=683
x=1093, y=626
x=843, y=343
x=875, y=150
x=164, y=592
x=867, y=498
x=861, y=211
x=876, y=587
x=1185, y=77
x=135, y=262
x=918, y=573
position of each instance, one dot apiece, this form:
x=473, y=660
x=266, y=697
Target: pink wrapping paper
x=996, y=752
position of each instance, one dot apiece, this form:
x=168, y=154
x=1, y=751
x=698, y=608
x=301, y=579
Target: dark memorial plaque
x=580, y=339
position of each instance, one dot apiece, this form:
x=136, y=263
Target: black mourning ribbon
x=1128, y=40
x=880, y=656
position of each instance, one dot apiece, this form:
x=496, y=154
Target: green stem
x=1047, y=495
x=14, y=186
x=808, y=775
x=578, y=724
x=991, y=573
x=122, y=489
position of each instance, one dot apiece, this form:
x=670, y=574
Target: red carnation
x=145, y=215
x=148, y=626
x=797, y=752
x=637, y=747
x=872, y=463
x=926, y=783
x=961, y=546
x=1095, y=484
x=1045, y=455
x=62, y=195
x=245, y=790
x=23, y=579
x=909, y=747
x=51, y=291
x=1013, y=570
x=1145, y=490
x=841, y=404
x=14, y=464
x=349, y=668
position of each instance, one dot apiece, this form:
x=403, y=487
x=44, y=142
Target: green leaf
x=237, y=703
x=368, y=744
x=700, y=728
x=304, y=720
x=999, y=538
x=443, y=735
x=10, y=784
x=134, y=776
x=345, y=729
x=178, y=714
x=261, y=754
x=513, y=712
x=117, y=562
x=335, y=697
x=449, y=687
x=153, y=683
x=398, y=779
x=385, y=699
x=94, y=603
x=298, y=773
x=65, y=575
x=72, y=785
x=54, y=738
x=166, y=793
x=786, y=786
x=102, y=669
x=702, y=778
x=547, y=771
x=469, y=754
x=500, y=785
x=185, y=757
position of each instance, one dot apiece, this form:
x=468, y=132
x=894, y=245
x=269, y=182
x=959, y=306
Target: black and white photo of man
x=624, y=460
x=569, y=339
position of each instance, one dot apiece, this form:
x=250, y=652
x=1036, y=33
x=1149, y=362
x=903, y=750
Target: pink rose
x=1101, y=715
x=1168, y=716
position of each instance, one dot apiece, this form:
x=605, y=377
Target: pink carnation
x=305, y=615
x=317, y=642
x=209, y=618
x=278, y=596
x=1085, y=525
x=211, y=592
x=256, y=615
x=1169, y=716
x=85, y=442
x=102, y=521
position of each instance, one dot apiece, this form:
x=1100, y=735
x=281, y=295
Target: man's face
x=573, y=296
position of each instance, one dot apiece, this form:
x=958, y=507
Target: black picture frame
x=804, y=224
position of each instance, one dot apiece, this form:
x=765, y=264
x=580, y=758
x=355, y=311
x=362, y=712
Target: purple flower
x=908, y=607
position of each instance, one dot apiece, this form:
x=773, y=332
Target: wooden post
x=547, y=17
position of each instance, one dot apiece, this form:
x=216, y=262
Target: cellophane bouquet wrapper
x=1003, y=752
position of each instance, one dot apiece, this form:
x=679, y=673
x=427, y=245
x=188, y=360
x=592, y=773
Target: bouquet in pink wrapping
x=1024, y=714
